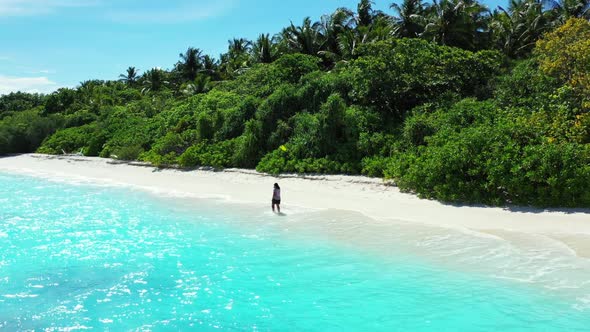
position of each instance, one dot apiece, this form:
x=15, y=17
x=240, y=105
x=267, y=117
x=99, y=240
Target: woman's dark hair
x=277, y=186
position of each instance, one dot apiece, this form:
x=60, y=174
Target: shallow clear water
x=85, y=256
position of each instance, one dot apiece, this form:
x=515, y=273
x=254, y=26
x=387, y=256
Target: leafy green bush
x=396, y=76
x=131, y=152
x=159, y=160
x=127, y=134
x=496, y=159
x=25, y=131
x=280, y=105
x=248, y=146
x=317, y=86
x=234, y=119
x=374, y=166
x=70, y=140
x=452, y=170
x=549, y=175
x=19, y=101
x=280, y=161
x=292, y=67
x=203, y=154
x=79, y=119
x=97, y=143
x=524, y=86
x=417, y=129
x=60, y=101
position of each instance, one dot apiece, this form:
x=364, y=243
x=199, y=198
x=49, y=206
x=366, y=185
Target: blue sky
x=47, y=44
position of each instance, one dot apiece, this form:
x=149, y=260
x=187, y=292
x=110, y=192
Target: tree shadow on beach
x=522, y=209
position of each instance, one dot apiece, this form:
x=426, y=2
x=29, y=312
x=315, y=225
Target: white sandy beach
x=368, y=196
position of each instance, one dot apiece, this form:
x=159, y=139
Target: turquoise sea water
x=86, y=256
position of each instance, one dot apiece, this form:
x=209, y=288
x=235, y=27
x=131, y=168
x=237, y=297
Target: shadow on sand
x=522, y=209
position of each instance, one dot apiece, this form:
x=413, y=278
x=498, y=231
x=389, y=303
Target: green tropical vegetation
x=449, y=99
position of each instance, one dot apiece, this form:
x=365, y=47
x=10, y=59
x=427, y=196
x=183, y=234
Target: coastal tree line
x=448, y=99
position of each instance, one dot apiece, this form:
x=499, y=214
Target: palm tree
x=264, y=50
x=380, y=29
x=191, y=63
x=351, y=31
x=201, y=84
x=88, y=91
x=455, y=22
x=562, y=10
x=365, y=13
x=409, y=21
x=516, y=29
x=154, y=80
x=239, y=46
x=304, y=39
x=348, y=42
x=210, y=67
x=130, y=77
x=236, y=60
x=330, y=27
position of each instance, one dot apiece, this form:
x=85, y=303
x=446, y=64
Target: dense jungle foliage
x=448, y=99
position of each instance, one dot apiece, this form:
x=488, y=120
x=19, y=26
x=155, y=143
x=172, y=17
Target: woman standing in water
x=276, y=198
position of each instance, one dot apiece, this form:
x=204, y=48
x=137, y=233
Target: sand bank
x=368, y=196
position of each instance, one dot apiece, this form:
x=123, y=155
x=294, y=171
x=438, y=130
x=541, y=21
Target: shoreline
x=369, y=196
